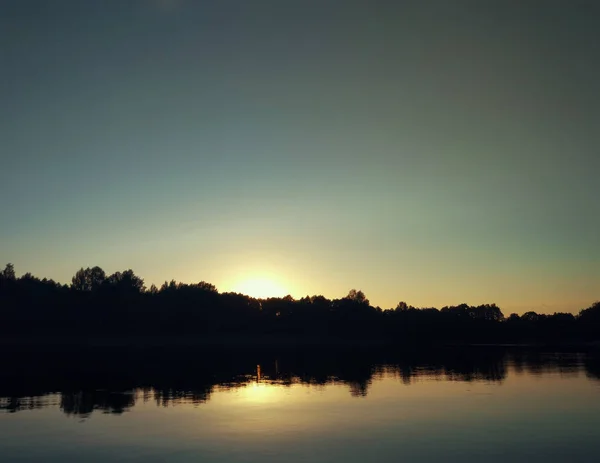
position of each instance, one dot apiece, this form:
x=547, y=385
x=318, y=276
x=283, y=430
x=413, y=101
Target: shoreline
x=295, y=342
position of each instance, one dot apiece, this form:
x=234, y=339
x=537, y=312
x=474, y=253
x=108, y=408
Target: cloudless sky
x=436, y=152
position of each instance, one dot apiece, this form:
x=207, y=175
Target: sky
x=425, y=151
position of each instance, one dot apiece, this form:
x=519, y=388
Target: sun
x=260, y=288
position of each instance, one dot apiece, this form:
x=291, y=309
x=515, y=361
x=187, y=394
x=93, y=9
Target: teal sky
x=435, y=152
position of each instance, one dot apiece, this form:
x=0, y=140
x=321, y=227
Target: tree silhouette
x=90, y=279
x=125, y=282
x=119, y=305
x=8, y=273
x=357, y=296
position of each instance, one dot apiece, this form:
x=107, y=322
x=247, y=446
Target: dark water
x=141, y=406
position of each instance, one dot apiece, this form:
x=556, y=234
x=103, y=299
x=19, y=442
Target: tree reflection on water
x=114, y=381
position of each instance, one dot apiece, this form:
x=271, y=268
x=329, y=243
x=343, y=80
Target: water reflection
x=83, y=403
x=114, y=381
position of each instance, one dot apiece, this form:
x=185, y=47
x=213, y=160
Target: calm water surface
x=341, y=407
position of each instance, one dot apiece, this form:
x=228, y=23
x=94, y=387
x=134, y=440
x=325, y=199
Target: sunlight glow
x=260, y=392
x=260, y=288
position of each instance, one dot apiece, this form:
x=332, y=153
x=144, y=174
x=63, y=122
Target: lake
x=479, y=405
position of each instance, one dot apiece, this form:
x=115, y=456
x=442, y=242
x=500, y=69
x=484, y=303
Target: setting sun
x=261, y=288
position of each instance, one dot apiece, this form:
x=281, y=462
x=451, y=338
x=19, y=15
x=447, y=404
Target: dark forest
x=119, y=306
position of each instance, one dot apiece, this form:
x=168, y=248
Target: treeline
x=120, y=305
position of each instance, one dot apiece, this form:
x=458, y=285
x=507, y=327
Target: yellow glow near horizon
x=260, y=392
x=261, y=288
